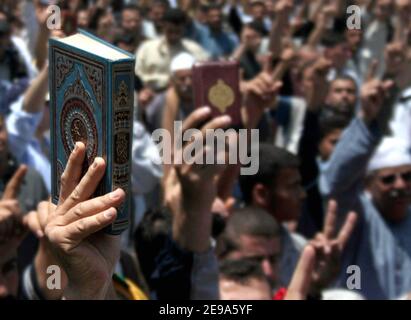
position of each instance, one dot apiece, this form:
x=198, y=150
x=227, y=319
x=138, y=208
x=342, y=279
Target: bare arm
x=34, y=99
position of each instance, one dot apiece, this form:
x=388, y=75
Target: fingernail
x=95, y=164
x=205, y=110
x=110, y=213
x=75, y=147
x=226, y=119
x=115, y=194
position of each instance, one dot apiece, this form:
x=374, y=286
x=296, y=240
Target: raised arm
x=350, y=158
x=34, y=98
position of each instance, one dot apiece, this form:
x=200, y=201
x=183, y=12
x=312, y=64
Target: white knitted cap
x=182, y=61
x=392, y=152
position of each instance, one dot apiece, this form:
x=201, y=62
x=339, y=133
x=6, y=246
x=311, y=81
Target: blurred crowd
x=327, y=216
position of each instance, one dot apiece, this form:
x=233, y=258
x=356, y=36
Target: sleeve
x=21, y=127
x=204, y=276
x=146, y=164
x=308, y=147
x=351, y=155
x=184, y=275
x=170, y=278
x=298, y=109
x=29, y=287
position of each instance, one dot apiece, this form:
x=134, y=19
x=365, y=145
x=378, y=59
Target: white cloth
x=392, y=152
x=182, y=61
x=400, y=124
x=23, y=143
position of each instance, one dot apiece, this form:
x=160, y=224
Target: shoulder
x=292, y=240
x=149, y=45
x=195, y=49
x=190, y=44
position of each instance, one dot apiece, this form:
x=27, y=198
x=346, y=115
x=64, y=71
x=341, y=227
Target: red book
x=217, y=85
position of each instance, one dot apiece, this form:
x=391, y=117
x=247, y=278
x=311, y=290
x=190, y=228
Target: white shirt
x=400, y=124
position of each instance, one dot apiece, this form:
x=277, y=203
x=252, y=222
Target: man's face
x=286, y=195
x=264, y=250
x=328, y=143
x=131, y=21
x=354, y=39
x=183, y=83
x=391, y=191
x=253, y=289
x=83, y=19
x=252, y=39
x=383, y=9
x=342, y=96
x=157, y=13
x=173, y=32
x=258, y=11
x=339, y=55
x=214, y=19
x=8, y=273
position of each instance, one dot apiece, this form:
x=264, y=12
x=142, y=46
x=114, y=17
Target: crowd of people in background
x=327, y=215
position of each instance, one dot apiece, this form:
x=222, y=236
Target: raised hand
x=87, y=255
x=191, y=188
x=316, y=84
x=329, y=246
x=36, y=222
x=13, y=186
x=300, y=284
x=319, y=263
x=260, y=94
x=373, y=94
x=283, y=9
x=398, y=64
x=11, y=226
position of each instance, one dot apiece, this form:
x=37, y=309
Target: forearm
x=193, y=223
x=316, y=35
x=238, y=52
x=384, y=116
x=192, y=229
x=42, y=261
x=351, y=155
x=276, y=33
x=40, y=49
x=34, y=99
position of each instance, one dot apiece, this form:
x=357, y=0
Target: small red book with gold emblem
x=217, y=85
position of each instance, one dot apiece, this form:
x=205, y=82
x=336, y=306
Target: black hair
x=175, y=16
x=132, y=7
x=258, y=27
x=345, y=77
x=271, y=159
x=331, y=39
x=124, y=37
x=252, y=221
x=164, y=3
x=331, y=120
x=150, y=237
x=213, y=6
x=242, y=270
